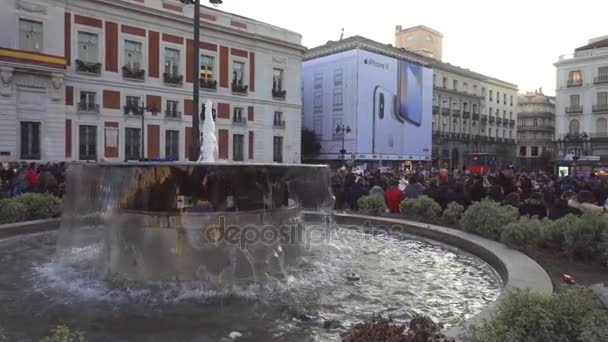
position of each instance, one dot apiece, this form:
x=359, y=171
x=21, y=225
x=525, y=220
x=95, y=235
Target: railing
x=172, y=114
x=279, y=123
x=574, y=109
x=466, y=114
x=456, y=113
x=132, y=73
x=512, y=123
x=484, y=118
x=239, y=121
x=575, y=83
x=445, y=111
x=498, y=121
x=586, y=53
x=207, y=83
x=88, y=67
x=174, y=79
x=133, y=109
x=601, y=79
x=239, y=87
x=435, y=109
x=475, y=116
x=279, y=94
x=600, y=108
x=492, y=119
x=88, y=107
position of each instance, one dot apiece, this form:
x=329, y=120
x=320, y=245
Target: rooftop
x=419, y=27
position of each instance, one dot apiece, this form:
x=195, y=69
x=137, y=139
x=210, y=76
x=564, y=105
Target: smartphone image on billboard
x=410, y=93
x=386, y=137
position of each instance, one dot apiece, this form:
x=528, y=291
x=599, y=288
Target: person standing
x=393, y=196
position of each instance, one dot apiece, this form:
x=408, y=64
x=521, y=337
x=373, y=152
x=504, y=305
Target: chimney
x=398, y=28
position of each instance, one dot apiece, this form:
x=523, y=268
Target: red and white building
x=76, y=75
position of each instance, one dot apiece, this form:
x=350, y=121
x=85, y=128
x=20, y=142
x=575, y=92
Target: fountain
x=203, y=251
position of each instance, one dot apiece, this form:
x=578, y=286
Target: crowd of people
x=534, y=194
x=20, y=178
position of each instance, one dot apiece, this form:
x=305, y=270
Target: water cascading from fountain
x=209, y=148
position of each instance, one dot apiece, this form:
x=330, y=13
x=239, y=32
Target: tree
x=310, y=145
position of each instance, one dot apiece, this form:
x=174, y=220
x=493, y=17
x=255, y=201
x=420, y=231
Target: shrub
x=524, y=316
x=422, y=208
x=420, y=328
x=62, y=333
x=487, y=218
x=12, y=211
x=40, y=206
x=524, y=233
x=585, y=239
x=372, y=205
x=452, y=214
x=555, y=231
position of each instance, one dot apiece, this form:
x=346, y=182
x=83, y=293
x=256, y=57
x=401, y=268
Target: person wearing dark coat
x=477, y=191
x=534, y=206
x=561, y=208
x=357, y=191
x=505, y=180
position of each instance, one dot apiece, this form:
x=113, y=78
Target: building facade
x=420, y=39
x=368, y=102
x=536, y=131
x=112, y=80
x=472, y=113
x=582, y=108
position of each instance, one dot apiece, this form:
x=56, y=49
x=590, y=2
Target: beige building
x=535, y=130
x=420, y=39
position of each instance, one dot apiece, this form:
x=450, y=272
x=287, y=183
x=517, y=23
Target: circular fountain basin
x=399, y=276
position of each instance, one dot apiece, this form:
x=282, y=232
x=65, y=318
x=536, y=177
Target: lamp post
x=195, y=73
x=143, y=109
x=343, y=130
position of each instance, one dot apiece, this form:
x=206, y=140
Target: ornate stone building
x=536, y=130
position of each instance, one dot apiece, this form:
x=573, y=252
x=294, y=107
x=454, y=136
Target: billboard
x=394, y=107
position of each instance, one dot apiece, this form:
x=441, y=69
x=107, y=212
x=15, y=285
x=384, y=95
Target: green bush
x=12, y=211
x=585, y=239
x=555, y=231
x=422, y=208
x=40, y=206
x=487, y=218
x=372, y=205
x=524, y=233
x=523, y=316
x=452, y=214
x=61, y=333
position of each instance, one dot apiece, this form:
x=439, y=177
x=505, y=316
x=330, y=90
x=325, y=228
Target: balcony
x=512, y=123
x=575, y=83
x=445, y=111
x=133, y=73
x=484, y=118
x=466, y=114
x=88, y=108
x=278, y=124
x=498, y=121
x=172, y=114
x=475, y=116
x=435, y=109
x=600, y=108
x=207, y=84
x=133, y=109
x=279, y=94
x=239, y=88
x=574, y=110
x=492, y=119
x=89, y=68
x=456, y=113
x=239, y=120
x=601, y=79
x=173, y=79
x=505, y=122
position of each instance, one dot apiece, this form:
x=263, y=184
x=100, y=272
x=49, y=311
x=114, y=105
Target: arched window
x=602, y=127
x=574, y=127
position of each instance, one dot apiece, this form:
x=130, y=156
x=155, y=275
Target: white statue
x=209, y=149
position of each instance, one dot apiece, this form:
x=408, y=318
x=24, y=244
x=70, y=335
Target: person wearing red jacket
x=393, y=197
x=32, y=178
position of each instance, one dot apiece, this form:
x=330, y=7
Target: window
x=511, y=100
x=171, y=109
x=504, y=98
x=132, y=143
x=172, y=61
x=133, y=101
x=510, y=115
x=133, y=55
x=445, y=82
x=237, y=115
x=318, y=100
x=207, y=66
x=574, y=127
x=238, y=72
x=602, y=98
x=601, y=127
x=30, y=35
x=575, y=76
x=535, y=123
x=87, y=101
x=490, y=131
x=491, y=95
x=88, y=47
x=317, y=124
x=88, y=143
x=338, y=97
x=504, y=114
x=602, y=75
x=318, y=80
x=465, y=87
x=455, y=84
x=510, y=134
x=172, y=145
x=30, y=140
x=339, y=75
x=534, y=151
x=497, y=97
x=278, y=119
x=490, y=111
x=277, y=79
x=277, y=144
x=238, y=147
x=522, y=151
x=575, y=100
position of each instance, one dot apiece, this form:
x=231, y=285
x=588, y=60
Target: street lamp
x=342, y=130
x=195, y=73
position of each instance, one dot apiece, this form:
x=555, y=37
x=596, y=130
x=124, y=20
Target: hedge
x=422, y=208
x=487, y=218
x=372, y=205
x=29, y=207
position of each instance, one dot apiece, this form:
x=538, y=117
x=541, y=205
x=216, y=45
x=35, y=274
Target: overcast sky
x=517, y=41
